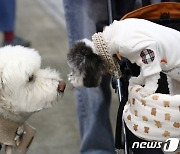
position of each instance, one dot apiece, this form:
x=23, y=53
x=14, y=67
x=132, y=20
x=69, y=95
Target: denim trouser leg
x=92, y=103
x=93, y=110
x=7, y=15
x=82, y=16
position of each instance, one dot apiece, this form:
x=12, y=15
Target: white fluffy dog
x=153, y=47
x=24, y=87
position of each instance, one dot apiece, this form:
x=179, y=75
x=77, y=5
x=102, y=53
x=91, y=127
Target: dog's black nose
x=61, y=86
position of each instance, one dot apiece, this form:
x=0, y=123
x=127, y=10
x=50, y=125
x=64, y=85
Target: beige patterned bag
x=156, y=117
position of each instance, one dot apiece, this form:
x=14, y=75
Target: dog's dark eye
x=31, y=78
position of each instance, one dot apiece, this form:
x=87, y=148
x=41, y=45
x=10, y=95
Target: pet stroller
x=164, y=13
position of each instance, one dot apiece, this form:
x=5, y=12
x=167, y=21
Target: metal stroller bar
x=118, y=83
x=110, y=11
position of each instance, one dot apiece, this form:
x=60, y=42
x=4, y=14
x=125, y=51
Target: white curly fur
x=76, y=78
x=24, y=87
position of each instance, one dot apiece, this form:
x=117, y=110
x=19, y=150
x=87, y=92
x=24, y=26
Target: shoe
x=17, y=41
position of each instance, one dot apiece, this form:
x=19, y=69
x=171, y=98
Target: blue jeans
x=7, y=15
x=92, y=103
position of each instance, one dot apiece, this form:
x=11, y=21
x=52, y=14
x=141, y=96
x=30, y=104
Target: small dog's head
x=86, y=66
x=24, y=87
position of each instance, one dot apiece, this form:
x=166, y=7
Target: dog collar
x=102, y=49
x=8, y=132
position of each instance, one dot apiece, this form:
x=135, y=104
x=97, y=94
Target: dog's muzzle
x=61, y=86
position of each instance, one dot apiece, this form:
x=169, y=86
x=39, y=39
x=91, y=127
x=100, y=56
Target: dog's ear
x=82, y=58
x=94, y=69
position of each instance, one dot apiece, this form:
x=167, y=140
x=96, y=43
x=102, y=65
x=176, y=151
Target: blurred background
x=42, y=22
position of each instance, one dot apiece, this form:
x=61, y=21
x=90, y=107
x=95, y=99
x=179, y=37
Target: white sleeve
x=148, y=57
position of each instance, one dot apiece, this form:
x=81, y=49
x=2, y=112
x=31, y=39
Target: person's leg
x=7, y=23
x=7, y=18
x=7, y=15
x=82, y=17
x=93, y=111
x=92, y=103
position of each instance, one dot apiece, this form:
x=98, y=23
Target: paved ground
x=42, y=22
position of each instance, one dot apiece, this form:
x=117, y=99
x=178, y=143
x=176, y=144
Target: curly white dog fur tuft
x=24, y=87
